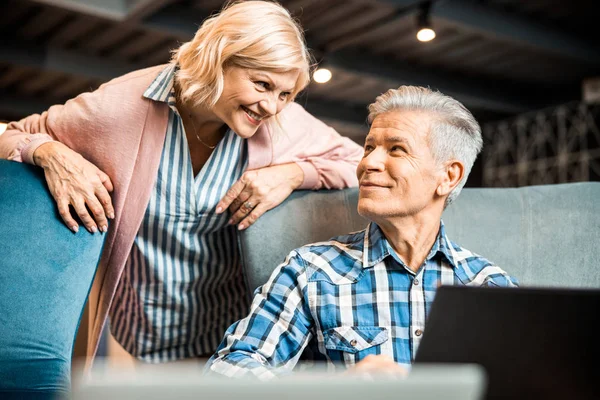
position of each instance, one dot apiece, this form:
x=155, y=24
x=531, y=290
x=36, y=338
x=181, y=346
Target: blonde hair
x=248, y=34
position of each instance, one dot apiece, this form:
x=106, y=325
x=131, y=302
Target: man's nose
x=374, y=161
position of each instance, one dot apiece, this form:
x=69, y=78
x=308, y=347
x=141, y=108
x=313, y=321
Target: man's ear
x=452, y=174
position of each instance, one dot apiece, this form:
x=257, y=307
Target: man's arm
x=270, y=340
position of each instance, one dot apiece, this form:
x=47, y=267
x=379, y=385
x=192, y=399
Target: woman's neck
x=204, y=123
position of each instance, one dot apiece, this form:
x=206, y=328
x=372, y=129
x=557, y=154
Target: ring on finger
x=248, y=206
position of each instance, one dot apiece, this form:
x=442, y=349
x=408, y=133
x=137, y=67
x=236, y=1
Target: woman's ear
x=453, y=172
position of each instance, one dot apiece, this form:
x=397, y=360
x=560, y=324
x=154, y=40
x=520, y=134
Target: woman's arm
x=307, y=154
x=328, y=159
x=22, y=138
x=72, y=180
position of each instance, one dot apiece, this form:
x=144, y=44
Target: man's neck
x=412, y=237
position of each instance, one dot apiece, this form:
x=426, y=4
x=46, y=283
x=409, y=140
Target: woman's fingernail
x=75, y=228
x=111, y=215
x=103, y=228
x=241, y=227
x=230, y=222
x=94, y=229
x=219, y=209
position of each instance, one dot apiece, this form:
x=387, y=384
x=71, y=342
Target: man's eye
x=368, y=149
x=284, y=95
x=398, y=148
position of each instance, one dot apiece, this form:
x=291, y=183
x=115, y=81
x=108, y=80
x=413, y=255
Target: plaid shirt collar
x=162, y=88
x=377, y=247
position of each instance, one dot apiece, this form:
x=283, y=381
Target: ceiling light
x=425, y=34
x=2, y=127
x=322, y=75
x=425, y=31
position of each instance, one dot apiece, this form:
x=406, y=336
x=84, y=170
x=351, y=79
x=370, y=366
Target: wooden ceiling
x=499, y=57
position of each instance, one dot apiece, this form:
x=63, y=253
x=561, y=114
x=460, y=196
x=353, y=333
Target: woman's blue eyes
x=266, y=86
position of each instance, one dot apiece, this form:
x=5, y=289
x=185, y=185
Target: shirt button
x=418, y=332
x=353, y=342
x=416, y=282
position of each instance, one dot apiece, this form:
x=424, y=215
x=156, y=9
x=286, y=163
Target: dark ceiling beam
x=17, y=106
x=333, y=110
x=115, y=10
x=15, y=52
x=473, y=92
x=139, y=9
x=155, y=15
x=511, y=27
x=404, y=9
x=176, y=20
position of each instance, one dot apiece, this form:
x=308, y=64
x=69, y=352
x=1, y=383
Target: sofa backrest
x=45, y=275
x=542, y=235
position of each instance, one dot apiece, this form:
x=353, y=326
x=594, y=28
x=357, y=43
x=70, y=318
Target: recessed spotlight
x=322, y=75
x=425, y=31
x=425, y=34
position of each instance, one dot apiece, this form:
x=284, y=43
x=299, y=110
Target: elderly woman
x=192, y=152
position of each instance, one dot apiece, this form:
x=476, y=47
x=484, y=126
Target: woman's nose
x=269, y=106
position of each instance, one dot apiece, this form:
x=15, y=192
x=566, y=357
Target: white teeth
x=253, y=115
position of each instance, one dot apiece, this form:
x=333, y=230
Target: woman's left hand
x=258, y=191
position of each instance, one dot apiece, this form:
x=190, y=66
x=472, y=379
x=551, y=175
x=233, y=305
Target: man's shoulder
x=347, y=244
x=337, y=260
x=474, y=269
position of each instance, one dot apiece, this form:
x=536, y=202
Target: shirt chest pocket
x=353, y=339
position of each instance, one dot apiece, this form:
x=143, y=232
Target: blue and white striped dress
x=182, y=285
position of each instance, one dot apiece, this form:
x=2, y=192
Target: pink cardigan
x=123, y=133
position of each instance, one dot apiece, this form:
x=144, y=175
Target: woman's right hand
x=74, y=181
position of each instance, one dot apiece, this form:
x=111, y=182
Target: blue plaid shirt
x=346, y=299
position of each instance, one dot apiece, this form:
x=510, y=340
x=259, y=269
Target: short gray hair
x=455, y=134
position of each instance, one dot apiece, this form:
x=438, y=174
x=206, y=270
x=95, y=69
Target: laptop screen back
x=533, y=343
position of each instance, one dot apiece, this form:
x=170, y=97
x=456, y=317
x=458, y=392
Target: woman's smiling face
x=251, y=96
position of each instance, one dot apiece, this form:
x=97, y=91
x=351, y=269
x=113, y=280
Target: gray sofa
x=542, y=235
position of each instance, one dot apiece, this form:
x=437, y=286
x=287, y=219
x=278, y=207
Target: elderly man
x=360, y=301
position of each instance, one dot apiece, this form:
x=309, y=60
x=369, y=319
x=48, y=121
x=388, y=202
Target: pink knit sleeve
x=328, y=159
x=22, y=138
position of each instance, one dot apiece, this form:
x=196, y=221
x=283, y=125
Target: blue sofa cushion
x=46, y=273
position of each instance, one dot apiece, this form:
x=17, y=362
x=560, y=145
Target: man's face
x=398, y=175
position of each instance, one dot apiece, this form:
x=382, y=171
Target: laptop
x=431, y=382
x=534, y=343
